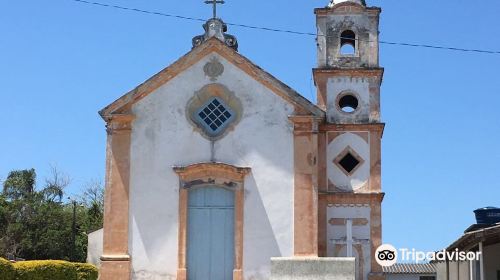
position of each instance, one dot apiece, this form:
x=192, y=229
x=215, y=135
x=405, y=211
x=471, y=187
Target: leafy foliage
x=20, y=184
x=42, y=270
x=86, y=271
x=7, y=271
x=36, y=224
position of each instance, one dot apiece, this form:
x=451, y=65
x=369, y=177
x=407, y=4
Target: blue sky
x=62, y=61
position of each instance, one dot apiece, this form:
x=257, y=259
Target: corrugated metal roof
x=471, y=238
x=410, y=268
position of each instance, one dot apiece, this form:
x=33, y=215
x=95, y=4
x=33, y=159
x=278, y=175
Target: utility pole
x=73, y=232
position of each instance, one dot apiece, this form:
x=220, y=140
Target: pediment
x=123, y=104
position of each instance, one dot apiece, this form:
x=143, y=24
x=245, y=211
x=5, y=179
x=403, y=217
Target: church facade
x=214, y=166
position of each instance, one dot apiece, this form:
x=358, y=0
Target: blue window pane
x=214, y=116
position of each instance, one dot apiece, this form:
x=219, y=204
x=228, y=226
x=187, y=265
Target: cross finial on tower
x=214, y=3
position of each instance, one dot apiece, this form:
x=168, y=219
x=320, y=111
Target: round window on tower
x=348, y=102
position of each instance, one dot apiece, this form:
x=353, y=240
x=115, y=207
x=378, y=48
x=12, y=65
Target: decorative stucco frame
x=339, y=157
x=201, y=97
x=211, y=174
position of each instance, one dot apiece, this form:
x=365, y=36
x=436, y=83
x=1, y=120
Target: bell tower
x=348, y=79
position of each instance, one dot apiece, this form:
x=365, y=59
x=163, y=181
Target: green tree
x=19, y=184
x=93, y=199
x=36, y=224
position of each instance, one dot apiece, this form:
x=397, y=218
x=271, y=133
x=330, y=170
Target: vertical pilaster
x=305, y=186
x=238, y=238
x=182, y=255
x=116, y=258
x=375, y=160
x=375, y=230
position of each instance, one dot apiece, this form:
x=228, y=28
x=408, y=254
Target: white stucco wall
x=360, y=177
x=162, y=138
x=360, y=87
x=94, y=247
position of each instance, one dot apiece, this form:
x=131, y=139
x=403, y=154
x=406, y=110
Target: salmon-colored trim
x=181, y=252
x=238, y=238
x=115, y=270
x=211, y=169
x=352, y=127
x=322, y=165
x=321, y=91
x=322, y=226
x=332, y=135
x=124, y=103
x=375, y=232
x=374, y=91
x=347, y=8
x=305, y=185
x=212, y=174
x=375, y=161
x=321, y=75
x=342, y=221
x=352, y=198
x=116, y=258
x=363, y=134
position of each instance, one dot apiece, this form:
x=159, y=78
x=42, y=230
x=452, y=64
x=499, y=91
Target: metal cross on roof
x=214, y=3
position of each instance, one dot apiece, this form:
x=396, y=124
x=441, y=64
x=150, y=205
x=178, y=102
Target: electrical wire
x=284, y=30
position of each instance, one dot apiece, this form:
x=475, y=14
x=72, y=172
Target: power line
x=282, y=30
x=138, y=10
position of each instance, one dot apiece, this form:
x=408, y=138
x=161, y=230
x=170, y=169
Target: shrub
x=45, y=270
x=86, y=271
x=7, y=271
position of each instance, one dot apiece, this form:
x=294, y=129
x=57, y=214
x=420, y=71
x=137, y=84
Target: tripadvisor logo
x=388, y=255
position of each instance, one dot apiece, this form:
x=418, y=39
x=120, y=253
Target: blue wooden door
x=210, y=243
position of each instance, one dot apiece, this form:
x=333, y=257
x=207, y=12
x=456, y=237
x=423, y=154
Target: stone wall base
x=181, y=274
x=114, y=270
x=312, y=268
x=237, y=274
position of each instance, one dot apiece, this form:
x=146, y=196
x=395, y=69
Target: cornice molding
x=119, y=122
x=211, y=170
x=119, y=258
x=352, y=197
